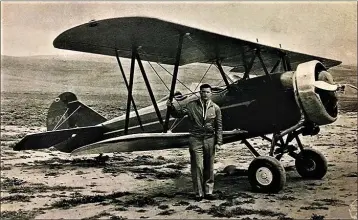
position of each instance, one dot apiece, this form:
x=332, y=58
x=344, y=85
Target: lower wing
x=148, y=141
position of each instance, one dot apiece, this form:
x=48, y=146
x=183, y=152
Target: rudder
x=67, y=112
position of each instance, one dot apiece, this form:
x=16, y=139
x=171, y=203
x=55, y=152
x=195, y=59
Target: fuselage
x=261, y=105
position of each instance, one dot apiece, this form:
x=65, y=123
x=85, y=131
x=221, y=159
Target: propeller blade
x=353, y=87
x=325, y=86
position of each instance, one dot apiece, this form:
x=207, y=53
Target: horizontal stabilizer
x=147, y=141
x=51, y=138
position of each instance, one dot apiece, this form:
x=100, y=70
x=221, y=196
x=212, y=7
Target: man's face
x=205, y=94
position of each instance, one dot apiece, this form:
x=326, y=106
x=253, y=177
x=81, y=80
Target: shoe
x=198, y=198
x=210, y=197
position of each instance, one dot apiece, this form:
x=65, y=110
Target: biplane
x=292, y=95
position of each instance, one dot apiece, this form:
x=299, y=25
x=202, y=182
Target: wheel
x=311, y=164
x=266, y=174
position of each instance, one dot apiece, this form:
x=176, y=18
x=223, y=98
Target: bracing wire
x=68, y=117
x=203, y=76
x=56, y=126
x=353, y=87
x=177, y=79
x=176, y=123
x=165, y=71
x=158, y=76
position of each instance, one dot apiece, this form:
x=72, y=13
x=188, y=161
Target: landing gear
x=311, y=164
x=266, y=174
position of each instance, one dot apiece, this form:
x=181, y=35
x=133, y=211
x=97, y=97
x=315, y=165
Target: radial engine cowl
x=315, y=92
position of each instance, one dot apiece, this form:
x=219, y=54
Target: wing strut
x=262, y=63
x=247, y=71
x=149, y=89
x=130, y=89
x=275, y=66
x=286, y=62
x=174, y=79
x=131, y=97
x=243, y=56
x=222, y=72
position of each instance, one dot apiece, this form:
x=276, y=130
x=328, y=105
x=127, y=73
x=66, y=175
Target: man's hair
x=204, y=86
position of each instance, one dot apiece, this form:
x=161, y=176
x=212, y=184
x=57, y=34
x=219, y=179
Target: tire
x=311, y=164
x=266, y=174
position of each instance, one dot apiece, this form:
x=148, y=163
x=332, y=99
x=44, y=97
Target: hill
x=33, y=82
x=93, y=74
x=55, y=74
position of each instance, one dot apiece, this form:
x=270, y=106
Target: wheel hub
x=264, y=176
x=309, y=164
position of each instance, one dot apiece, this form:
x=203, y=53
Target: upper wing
x=157, y=41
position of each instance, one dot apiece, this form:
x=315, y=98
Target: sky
x=327, y=29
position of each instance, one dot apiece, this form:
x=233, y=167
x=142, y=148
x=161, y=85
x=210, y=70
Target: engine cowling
x=318, y=103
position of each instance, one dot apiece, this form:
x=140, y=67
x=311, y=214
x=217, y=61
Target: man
x=206, y=135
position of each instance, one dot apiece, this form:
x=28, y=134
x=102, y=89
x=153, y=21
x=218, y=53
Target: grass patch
x=167, y=212
x=7, y=182
x=181, y=203
x=140, y=201
x=99, y=215
x=23, y=215
x=333, y=202
x=288, y=198
x=86, y=199
x=234, y=202
x=39, y=188
x=222, y=211
x=317, y=217
x=16, y=198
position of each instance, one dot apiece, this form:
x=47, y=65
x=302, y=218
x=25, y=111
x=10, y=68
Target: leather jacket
x=208, y=125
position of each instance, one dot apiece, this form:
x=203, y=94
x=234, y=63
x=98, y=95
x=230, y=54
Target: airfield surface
x=47, y=184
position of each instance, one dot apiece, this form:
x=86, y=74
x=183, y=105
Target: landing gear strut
x=309, y=162
x=266, y=173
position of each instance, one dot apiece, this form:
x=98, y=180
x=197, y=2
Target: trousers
x=202, y=154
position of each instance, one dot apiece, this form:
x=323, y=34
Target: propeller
x=342, y=87
x=325, y=82
x=325, y=86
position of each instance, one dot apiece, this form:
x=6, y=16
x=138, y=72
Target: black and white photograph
x=179, y=110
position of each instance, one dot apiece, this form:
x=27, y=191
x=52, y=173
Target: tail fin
x=67, y=112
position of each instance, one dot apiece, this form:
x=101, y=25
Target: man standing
x=206, y=135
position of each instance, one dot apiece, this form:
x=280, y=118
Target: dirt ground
x=47, y=184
